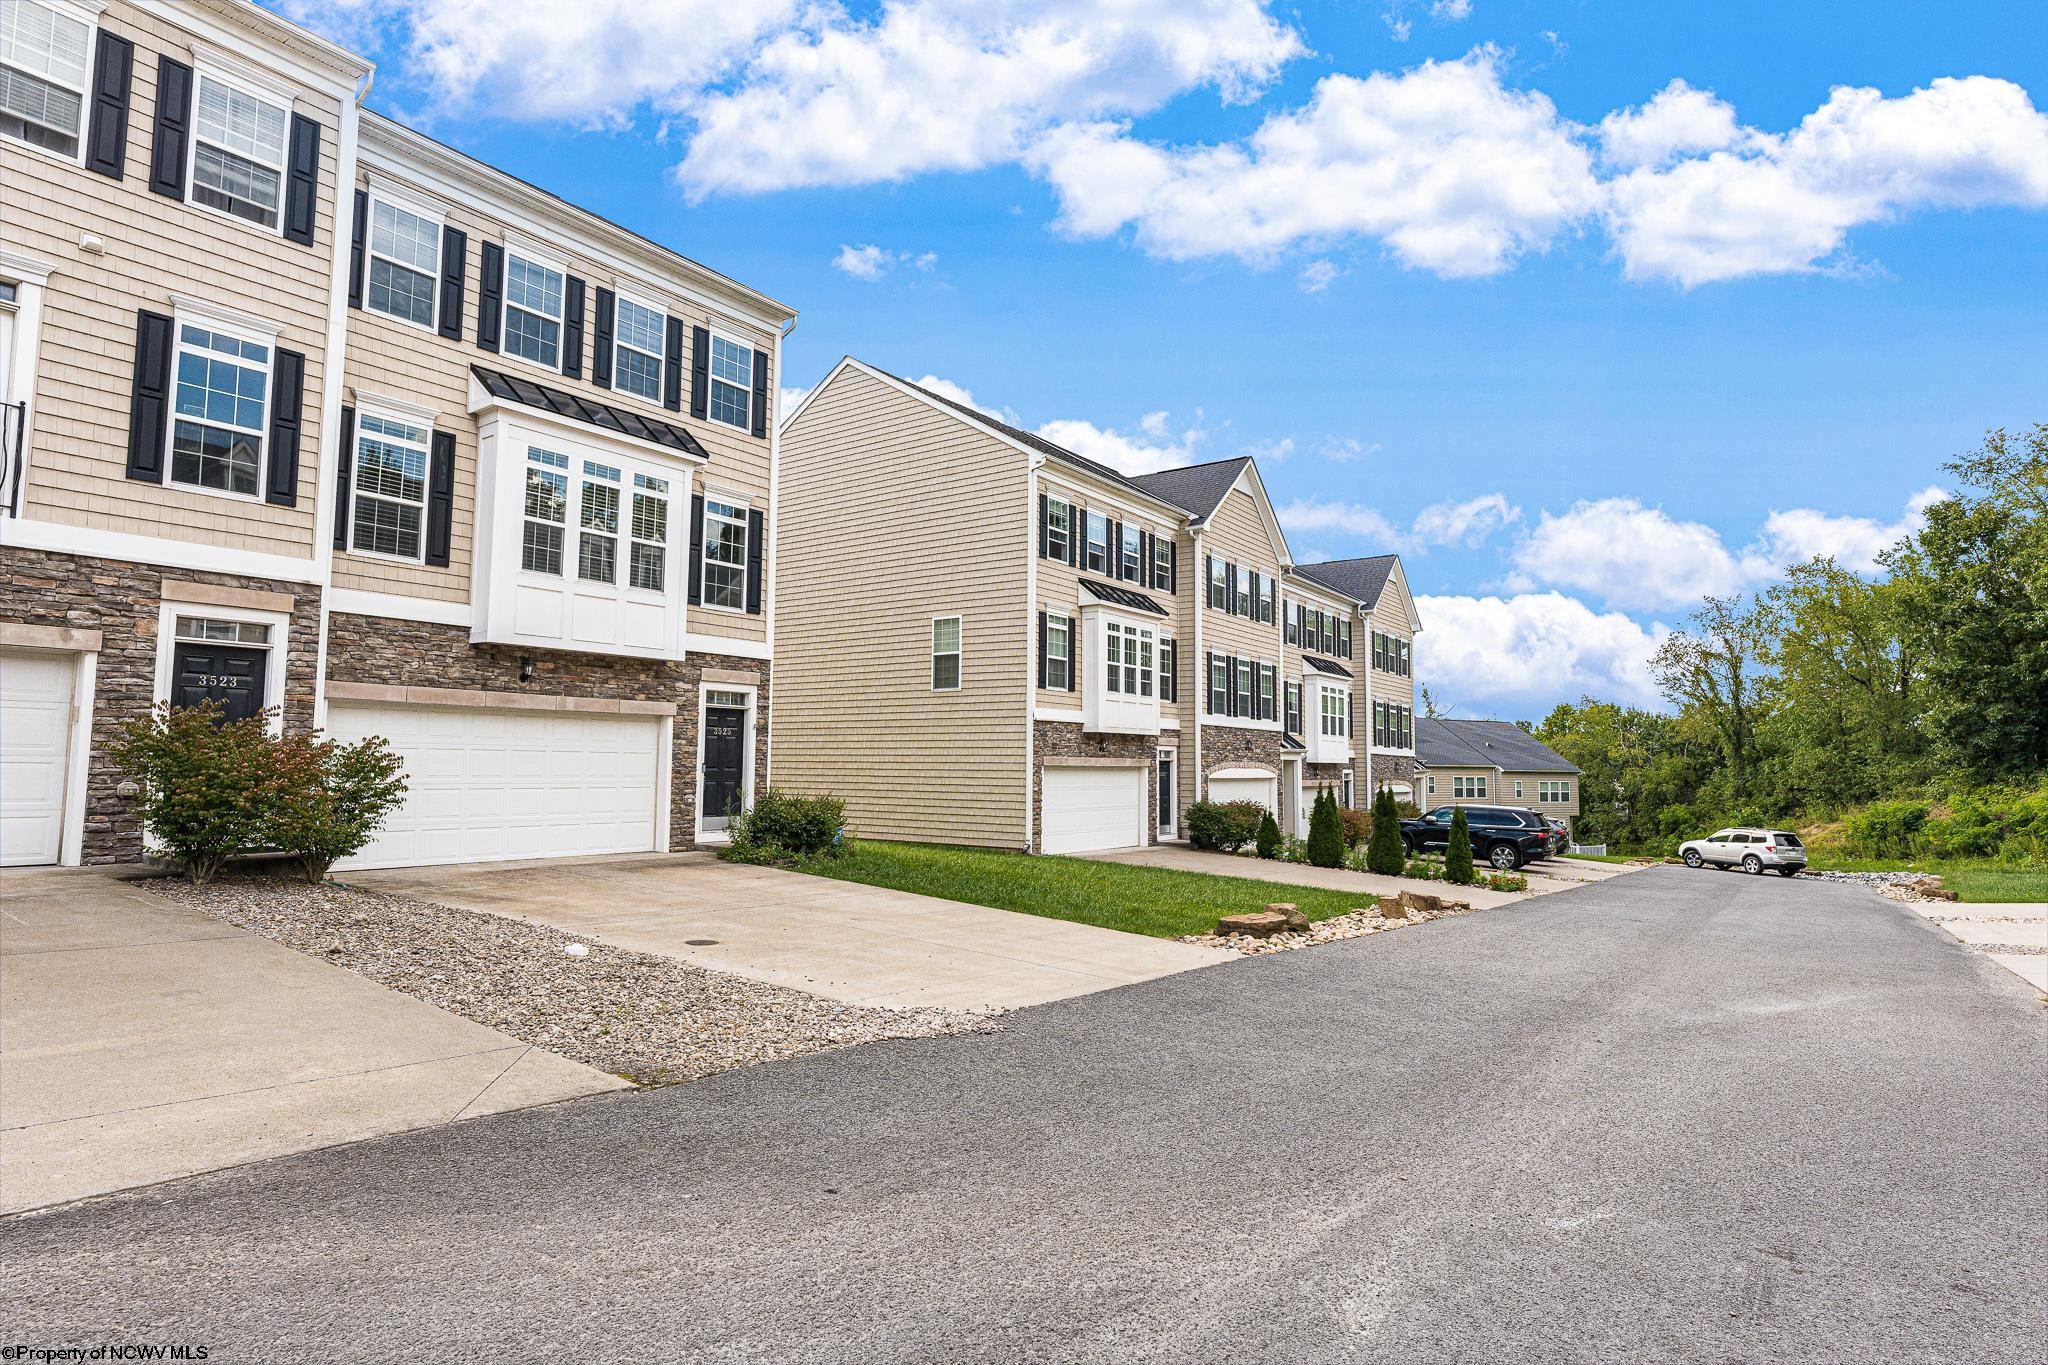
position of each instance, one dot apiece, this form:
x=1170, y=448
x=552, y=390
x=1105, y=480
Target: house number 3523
x=218, y=680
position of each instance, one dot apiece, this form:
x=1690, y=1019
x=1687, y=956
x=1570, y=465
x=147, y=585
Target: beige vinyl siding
x=1532, y=793
x=893, y=513
x=1059, y=586
x=154, y=247
x=1442, y=795
x=1388, y=617
x=1236, y=532
x=397, y=359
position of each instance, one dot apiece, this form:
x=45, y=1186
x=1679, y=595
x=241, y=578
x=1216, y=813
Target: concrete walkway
x=1990, y=927
x=862, y=944
x=1182, y=858
x=140, y=1041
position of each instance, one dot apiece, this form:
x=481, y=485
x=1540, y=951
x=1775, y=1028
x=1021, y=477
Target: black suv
x=1501, y=835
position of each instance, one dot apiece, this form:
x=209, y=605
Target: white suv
x=1752, y=850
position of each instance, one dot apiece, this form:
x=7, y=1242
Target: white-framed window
x=1127, y=659
x=1348, y=789
x=1554, y=792
x=1336, y=712
x=405, y=262
x=1219, y=685
x=732, y=382
x=1468, y=788
x=1095, y=547
x=1429, y=784
x=1269, y=706
x=1291, y=713
x=945, y=654
x=221, y=409
x=44, y=76
x=725, y=555
x=1243, y=605
x=1518, y=789
x=238, y=147
x=533, y=309
x=1169, y=670
x=1128, y=552
x=389, y=487
x=648, y=568
x=1059, y=651
x=546, y=512
x=1162, y=562
x=597, y=524
x=1059, y=528
x=1269, y=601
x=1247, y=687
x=639, y=337
x=1219, y=585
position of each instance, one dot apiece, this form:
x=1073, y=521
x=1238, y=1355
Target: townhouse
x=308, y=413
x=989, y=639
x=1494, y=763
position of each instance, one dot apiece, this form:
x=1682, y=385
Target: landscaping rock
x=1254, y=924
x=1391, y=907
x=1390, y=914
x=1422, y=902
x=1295, y=919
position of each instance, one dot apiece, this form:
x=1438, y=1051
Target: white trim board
x=131, y=548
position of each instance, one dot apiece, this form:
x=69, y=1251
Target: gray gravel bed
x=653, y=1020
x=1336, y=928
x=1876, y=879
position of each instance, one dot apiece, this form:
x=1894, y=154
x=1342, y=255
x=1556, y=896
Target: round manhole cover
x=701, y=942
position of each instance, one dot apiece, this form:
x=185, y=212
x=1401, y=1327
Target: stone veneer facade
x=1388, y=768
x=1063, y=739
x=123, y=600
x=424, y=654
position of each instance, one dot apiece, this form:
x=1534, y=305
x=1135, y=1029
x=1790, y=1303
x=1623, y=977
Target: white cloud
x=1631, y=556
x=958, y=393
x=1532, y=646
x=1345, y=449
x=1448, y=168
x=956, y=85
x=1853, y=542
x=788, y=397
x=1451, y=11
x=871, y=262
x=1317, y=276
x=1469, y=523
x=1154, y=447
x=1679, y=121
x=1353, y=519
x=1785, y=203
x=1398, y=29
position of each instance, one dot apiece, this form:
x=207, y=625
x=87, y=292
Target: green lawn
x=1603, y=857
x=1971, y=881
x=1137, y=900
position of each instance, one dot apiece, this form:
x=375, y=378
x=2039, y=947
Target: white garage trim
x=56, y=642
x=1085, y=807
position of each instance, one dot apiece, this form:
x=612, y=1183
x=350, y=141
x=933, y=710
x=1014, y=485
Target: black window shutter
x=490, y=295
x=696, y=549
x=173, y=127
x=601, y=338
x=287, y=402
x=1073, y=653
x=358, y=244
x=302, y=180
x=1230, y=589
x=756, y=533
x=441, y=498
x=149, y=407
x=1173, y=566
x=1044, y=530
x=106, y=142
x=1230, y=663
x=1115, y=534
x=572, y=328
x=1074, y=534
x=454, y=267
x=344, y=474
x=760, y=392
x=700, y=367
x=1146, y=570
x=1041, y=635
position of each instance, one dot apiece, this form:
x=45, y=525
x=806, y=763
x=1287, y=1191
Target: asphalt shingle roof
x=1358, y=579
x=1199, y=488
x=1441, y=743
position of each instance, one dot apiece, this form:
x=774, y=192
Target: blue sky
x=1475, y=278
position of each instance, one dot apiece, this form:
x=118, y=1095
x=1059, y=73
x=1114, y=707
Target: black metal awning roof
x=1325, y=666
x=1291, y=744
x=525, y=392
x=1123, y=597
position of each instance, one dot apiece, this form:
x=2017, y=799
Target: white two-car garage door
x=1085, y=809
x=483, y=785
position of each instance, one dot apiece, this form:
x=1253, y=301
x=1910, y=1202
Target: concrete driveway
x=141, y=1041
x=862, y=944
x=1550, y=875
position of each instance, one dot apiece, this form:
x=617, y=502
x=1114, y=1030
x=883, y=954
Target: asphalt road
x=1684, y=1116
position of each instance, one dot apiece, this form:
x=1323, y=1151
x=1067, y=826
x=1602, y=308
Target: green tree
x=1458, y=853
x=1269, y=836
x=1325, y=831
x=1384, y=854
x=1714, y=667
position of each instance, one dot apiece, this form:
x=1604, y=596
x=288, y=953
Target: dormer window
x=533, y=310
x=238, y=152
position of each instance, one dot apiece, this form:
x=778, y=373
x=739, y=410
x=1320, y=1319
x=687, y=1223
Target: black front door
x=232, y=675
x=725, y=730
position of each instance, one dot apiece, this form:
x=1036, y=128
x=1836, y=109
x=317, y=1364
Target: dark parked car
x=1560, y=835
x=1501, y=835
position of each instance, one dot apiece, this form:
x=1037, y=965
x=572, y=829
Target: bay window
x=389, y=487
x=238, y=152
x=1127, y=660
x=648, y=568
x=546, y=510
x=597, y=540
x=43, y=76
x=221, y=410
x=1336, y=712
x=725, y=555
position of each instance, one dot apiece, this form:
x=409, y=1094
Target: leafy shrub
x=2006, y=823
x=1385, y=855
x=331, y=797
x=209, y=786
x=781, y=827
x=1458, y=855
x=1424, y=868
x=1505, y=881
x=1269, y=836
x=1886, y=829
x=1357, y=825
x=1224, y=826
x=1325, y=831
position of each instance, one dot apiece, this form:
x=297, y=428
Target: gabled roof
x=526, y=392
x=1358, y=579
x=1198, y=488
x=1123, y=597
x=1441, y=743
